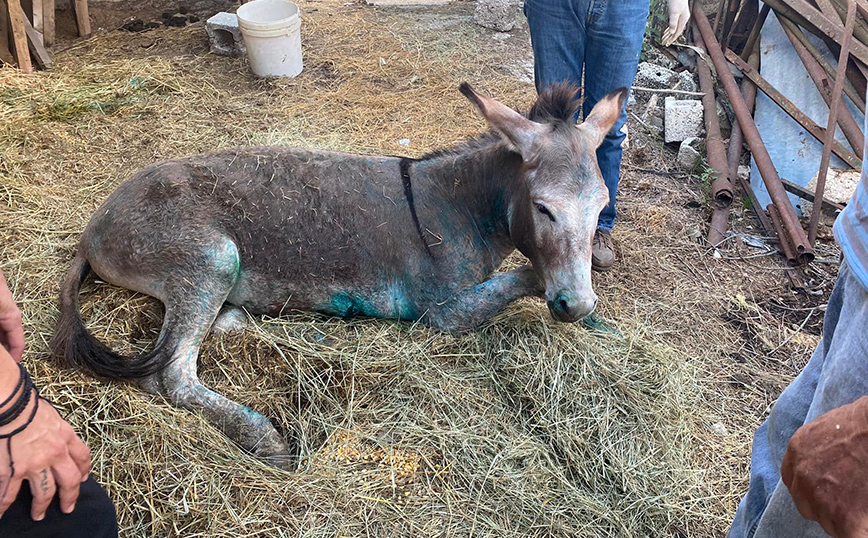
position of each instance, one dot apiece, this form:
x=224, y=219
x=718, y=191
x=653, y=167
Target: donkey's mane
x=556, y=105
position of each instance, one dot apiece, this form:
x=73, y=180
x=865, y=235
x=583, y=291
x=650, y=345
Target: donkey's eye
x=545, y=211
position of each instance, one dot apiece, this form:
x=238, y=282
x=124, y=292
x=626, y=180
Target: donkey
x=268, y=230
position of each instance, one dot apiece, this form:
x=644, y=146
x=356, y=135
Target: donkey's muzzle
x=569, y=307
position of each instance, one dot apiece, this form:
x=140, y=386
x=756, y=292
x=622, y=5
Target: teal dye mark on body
x=348, y=305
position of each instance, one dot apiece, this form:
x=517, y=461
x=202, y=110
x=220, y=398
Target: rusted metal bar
x=736, y=148
x=833, y=117
x=822, y=23
x=745, y=19
x=810, y=126
x=828, y=205
x=755, y=32
x=718, y=17
x=847, y=123
x=779, y=197
x=721, y=185
x=729, y=19
x=849, y=89
x=860, y=31
x=784, y=239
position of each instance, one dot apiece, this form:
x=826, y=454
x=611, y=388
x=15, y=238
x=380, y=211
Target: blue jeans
x=836, y=375
x=603, y=37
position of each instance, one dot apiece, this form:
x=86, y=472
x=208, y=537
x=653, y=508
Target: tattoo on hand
x=44, y=482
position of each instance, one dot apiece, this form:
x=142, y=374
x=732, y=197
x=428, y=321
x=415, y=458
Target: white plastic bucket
x=271, y=30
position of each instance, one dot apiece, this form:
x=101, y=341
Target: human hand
x=49, y=455
x=679, y=14
x=826, y=470
x=11, y=331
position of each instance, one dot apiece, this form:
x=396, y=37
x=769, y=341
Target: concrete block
x=225, y=35
x=682, y=119
x=654, y=76
x=688, y=156
x=840, y=186
x=495, y=14
x=687, y=83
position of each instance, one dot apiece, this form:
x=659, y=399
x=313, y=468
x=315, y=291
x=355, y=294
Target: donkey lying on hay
x=272, y=229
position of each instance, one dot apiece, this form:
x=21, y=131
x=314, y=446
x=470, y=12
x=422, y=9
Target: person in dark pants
x=38, y=447
x=601, y=39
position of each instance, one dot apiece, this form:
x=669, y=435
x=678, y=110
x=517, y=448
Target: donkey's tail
x=73, y=345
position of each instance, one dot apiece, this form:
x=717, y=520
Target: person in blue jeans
x=809, y=464
x=602, y=39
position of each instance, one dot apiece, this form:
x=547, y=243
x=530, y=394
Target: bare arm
x=46, y=452
x=11, y=331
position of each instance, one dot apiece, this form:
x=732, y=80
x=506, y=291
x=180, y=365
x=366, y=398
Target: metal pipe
x=833, y=118
x=755, y=32
x=761, y=156
x=851, y=91
x=790, y=108
x=721, y=185
x=736, y=148
x=809, y=18
x=848, y=124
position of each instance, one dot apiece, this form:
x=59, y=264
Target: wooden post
x=42, y=57
x=22, y=52
x=48, y=23
x=5, y=52
x=38, y=19
x=82, y=19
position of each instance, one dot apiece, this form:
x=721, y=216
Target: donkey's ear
x=517, y=130
x=604, y=115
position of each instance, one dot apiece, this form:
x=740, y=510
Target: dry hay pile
x=524, y=428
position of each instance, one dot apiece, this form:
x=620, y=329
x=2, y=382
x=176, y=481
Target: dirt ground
x=725, y=328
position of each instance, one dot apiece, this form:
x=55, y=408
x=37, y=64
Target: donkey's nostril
x=564, y=304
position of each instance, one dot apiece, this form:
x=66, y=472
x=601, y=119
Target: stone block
x=688, y=156
x=682, y=118
x=654, y=76
x=224, y=35
x=495, y=14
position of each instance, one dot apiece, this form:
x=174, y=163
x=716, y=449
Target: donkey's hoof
x=230, y=320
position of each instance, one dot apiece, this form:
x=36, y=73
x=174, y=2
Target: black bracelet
x=8, y=416
x=21, y=428
x=21, y=371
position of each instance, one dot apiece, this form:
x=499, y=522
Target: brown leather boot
x=603, y=252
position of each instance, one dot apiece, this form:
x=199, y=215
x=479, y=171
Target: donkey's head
x=554, y=207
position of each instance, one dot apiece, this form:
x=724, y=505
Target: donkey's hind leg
x=190, y=312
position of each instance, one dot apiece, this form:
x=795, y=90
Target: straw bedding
x=526, y=427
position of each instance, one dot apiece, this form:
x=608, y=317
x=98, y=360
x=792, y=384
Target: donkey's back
x=292, y=228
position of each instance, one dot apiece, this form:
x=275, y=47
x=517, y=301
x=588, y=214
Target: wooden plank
x=48, y=8
x=4, y=33
x=81, y=17
x=38, y=18
x=22, y=52
x=33, y=37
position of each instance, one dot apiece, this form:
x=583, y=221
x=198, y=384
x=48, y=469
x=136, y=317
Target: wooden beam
x=48, y=8
x=22, y=52
x=42, y=57
x=5, y=51
x=38, y=18
x=82, y=19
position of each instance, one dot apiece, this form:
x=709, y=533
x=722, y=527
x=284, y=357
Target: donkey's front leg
x=470, y=308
